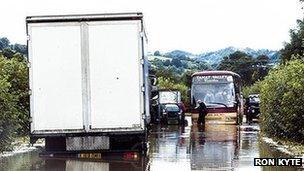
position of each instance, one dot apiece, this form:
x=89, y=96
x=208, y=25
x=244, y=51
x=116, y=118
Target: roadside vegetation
x=283, y=102
x=281, y=92
x=14, y=102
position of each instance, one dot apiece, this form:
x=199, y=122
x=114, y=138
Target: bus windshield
x=214, y=91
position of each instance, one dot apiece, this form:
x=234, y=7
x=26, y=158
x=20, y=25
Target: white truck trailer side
x=88, y=81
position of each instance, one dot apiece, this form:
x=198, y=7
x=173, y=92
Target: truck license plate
x=89, y=155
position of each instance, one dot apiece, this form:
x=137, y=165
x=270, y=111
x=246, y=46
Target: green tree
x=14, y=99
x=4, y=43
x=186, y=78
x=20, y=48
x=157, y=53
x=176, y=62
x=250, y=69
x=262, y=60
x=295, y=48
x=166, y=72
x=260, y=68
x=8, y=53
x=240, y=63
x=167, y=62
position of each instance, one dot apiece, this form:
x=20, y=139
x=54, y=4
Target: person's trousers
x=201, y=120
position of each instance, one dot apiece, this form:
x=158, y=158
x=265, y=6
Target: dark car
x=252, y=108
x=172, y=113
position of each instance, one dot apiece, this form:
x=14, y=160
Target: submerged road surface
x=171, y=148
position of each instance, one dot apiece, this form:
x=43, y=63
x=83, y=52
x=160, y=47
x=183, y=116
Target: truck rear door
x=86, y=76
x=56, y=82
x=115, y=49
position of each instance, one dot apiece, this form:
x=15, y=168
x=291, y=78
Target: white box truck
x=88, y=81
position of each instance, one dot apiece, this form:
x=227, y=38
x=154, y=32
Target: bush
x=7, y=116
x=14, y=103
x=282, y=102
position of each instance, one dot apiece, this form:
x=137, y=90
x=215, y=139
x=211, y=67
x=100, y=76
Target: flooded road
x=171, y=147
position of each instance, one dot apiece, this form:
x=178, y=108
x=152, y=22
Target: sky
x=192, y=25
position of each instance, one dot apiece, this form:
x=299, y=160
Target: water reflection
x=268, y=151
x=32, y=161
x=213, y=146
x=23, y=161
x=79, y=165
x=171, y=147
x=193, y=147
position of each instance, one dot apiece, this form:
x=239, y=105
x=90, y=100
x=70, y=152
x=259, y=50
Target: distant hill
x=180, y=54
x=214, y=57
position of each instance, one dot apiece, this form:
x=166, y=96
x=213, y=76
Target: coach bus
x=221, y=92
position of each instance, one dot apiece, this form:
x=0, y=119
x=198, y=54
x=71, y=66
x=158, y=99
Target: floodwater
x=171, y=147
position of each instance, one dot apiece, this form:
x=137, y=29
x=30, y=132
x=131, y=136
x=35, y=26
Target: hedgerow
x=14, y=102
x=282, y=102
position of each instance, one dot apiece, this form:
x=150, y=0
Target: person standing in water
x=202, y=112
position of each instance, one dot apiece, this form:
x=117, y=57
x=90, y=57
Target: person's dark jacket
x=202, y=109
